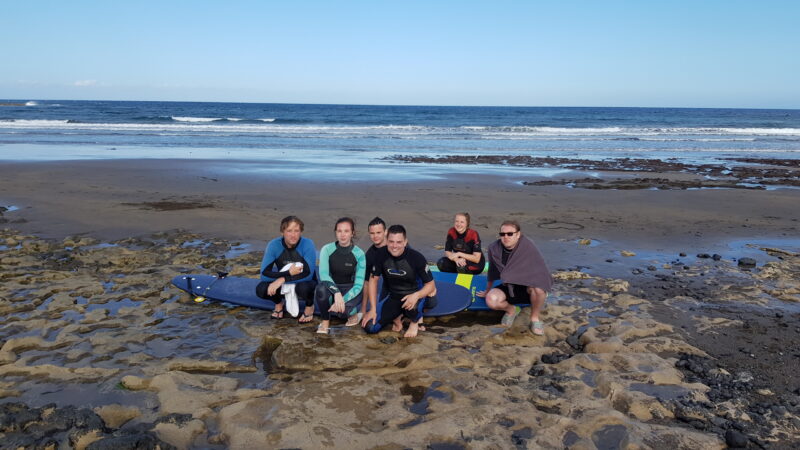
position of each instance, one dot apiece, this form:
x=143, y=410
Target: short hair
x=510, y=222
x=288, y=220
x=466, y=216
x=346, y=220
x=397, y=229
x=377, y=221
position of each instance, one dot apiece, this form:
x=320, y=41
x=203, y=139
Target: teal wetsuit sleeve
x=361, y=269
x=324, y=264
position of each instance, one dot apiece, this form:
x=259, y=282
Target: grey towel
x=525, y=266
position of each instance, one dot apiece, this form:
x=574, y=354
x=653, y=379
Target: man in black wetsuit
x=407, y=279
x=377, y=234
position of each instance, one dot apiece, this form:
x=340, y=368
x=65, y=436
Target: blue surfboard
x=242, y=291
x=473, y=283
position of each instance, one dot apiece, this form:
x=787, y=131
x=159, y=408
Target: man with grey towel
x=515, y=260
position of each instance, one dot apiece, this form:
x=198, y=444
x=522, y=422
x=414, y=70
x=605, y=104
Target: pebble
x=716, y=256
x=682, y=254
x=627, y=253
x=651, y=268
x=703, y=255
x=747, y=262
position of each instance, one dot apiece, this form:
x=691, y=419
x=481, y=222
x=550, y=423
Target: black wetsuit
x=467, y=242
x=341, y=270
x=402, y=275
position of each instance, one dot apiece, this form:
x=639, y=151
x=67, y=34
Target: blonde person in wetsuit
x=342, y=267
x=462, y=250
x=296, y=252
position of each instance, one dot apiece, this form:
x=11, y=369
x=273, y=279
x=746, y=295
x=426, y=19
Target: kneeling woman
x=462, y=251
x=342, y=266
x=287, y=270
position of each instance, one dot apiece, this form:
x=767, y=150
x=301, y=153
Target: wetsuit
x=341, y=269
x=467, y=242
x=276, y=256
x=402, y=275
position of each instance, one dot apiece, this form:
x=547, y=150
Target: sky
x=505, y=53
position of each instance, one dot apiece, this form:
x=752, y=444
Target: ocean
x=316, y=140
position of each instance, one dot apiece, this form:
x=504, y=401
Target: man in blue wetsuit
x=289, y=260
x=407, y=279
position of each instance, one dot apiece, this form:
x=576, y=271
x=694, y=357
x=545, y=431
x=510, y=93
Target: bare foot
x=413, y=328
x=397, y=324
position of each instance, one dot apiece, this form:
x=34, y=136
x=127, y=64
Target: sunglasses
x=510, y=233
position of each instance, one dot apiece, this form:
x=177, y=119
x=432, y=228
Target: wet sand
x=651, y=350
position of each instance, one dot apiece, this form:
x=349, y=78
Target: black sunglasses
x=510, y=233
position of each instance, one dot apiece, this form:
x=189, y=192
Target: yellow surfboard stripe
x=464, y=279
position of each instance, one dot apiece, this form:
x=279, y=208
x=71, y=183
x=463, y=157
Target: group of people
x=346, y=285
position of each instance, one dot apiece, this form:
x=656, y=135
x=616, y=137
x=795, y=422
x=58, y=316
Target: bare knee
x=494, y=298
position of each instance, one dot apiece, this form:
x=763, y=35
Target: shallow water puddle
x=420, y=401
x=662, y=392
x=114, y=306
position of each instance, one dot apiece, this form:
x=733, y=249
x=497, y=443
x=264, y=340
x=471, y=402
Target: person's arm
x=358, y=282
x=420, y=266
x=271, y=253
x=324, y=263
x=448, y=248
x=372, y=314
x=491, y=275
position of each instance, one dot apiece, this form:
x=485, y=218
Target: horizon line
x=392, y=105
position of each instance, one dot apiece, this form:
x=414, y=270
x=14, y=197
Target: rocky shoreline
x=741, y=173
x=98, y=351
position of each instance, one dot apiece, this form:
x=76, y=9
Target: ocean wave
x=195, y=119
x=278, y=126
x=31, y=103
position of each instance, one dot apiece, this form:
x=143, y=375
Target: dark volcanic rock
x=747, y=262
x=734, y=439
x=133, y=442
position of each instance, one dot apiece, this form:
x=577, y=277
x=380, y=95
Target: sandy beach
x=676, y=345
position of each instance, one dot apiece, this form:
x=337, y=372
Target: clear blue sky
x=555, y=53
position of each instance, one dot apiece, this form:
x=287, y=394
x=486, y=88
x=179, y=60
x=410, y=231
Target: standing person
x=342, y=266
x=462, y=250
x=515, y=260
x=407, y=279
x=287, y=270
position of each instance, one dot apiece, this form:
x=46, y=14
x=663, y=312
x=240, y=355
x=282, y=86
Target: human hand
x=338, y=303
x=480, y=294
x=461, y=262
x=410, y=301
x=273, y=287
x=295, y=269
x=368, y=316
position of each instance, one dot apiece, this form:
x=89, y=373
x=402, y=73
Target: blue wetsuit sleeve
x=271, y=253
x=309, y=254
x=361, y=268
x=324, y=264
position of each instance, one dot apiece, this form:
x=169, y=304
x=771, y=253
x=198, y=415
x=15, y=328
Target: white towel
x=289, y=294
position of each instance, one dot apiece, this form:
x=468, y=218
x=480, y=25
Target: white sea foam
x=31, y=103
x=234, y=125
x=194, y=119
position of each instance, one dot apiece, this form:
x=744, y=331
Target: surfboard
x=242, y=291
x=473, y=283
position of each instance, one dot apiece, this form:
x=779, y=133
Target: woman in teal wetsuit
x=342, y=267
